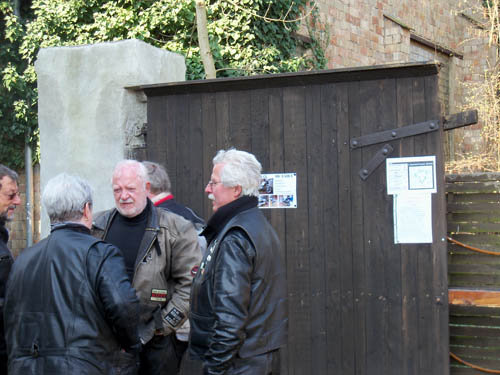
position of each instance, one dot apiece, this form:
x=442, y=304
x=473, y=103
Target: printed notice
x=413, y=218
x=414, y=174
x=278, y=190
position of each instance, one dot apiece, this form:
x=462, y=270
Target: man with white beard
x=161, y=255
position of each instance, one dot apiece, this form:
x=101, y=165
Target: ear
x=148, y=188
x=87, y=211
x=87, y=215
x=237, y=191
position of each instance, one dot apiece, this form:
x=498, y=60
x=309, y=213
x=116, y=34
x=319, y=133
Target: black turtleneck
x=225, y=213
x=126, y=234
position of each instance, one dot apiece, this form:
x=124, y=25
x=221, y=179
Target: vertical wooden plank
x=345, y=230
x=195, y=176
x=357, y=95
x=170, y=138
x=183, y=128
x=209, y=134
x=277, y=156
x=259, y=126
x=276, y=165
x=156, y=112
x=390, y=251
x=409, y=264
x=331, y=221
x=298, y=267
x=376, y=232
x=239, y=120
x=425, y=308
x=222, y=115
x=439, y=263
x=317, y=247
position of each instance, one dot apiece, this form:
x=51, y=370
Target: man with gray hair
x=161, y=254
x=9, y=200
x=69, y=306
x=161, y=194
x=238, y=300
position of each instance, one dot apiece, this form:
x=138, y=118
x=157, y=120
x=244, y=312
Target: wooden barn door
x=358, y=303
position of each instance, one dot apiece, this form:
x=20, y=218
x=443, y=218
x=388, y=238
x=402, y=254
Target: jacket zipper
x=145, y=254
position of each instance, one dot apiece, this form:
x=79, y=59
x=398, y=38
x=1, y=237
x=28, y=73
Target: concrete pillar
x=87, y=118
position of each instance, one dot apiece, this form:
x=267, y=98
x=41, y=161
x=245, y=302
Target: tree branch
x=204, y=44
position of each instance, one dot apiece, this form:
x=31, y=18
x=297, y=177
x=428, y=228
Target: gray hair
x=65, y=196
x=240, y=168
x=158, y=177
x=142, y=173
x=6, y=171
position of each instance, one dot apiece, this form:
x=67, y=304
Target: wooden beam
x=308, y=78
x=458, y=120
x=437, y=47
x=490, y=298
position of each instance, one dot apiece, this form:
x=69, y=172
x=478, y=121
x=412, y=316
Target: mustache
x=211, y=197
x=126, y=200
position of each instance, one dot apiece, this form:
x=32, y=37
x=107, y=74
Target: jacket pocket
x=201, y=329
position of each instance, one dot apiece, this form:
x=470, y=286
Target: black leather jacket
x=6, y=261
x=238, y=299
x=69, y=306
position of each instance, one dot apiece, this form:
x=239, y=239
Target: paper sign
x=413, y=218
x=414, y=174
x=278, y=190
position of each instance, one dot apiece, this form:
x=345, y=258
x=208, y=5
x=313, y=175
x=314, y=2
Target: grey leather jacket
x=166, y=262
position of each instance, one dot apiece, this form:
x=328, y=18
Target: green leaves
x=242, y=40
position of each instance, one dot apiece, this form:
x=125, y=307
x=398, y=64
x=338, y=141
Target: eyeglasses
x=212, y=183
x=12, y=195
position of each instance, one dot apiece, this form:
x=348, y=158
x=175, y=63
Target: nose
x=17, y=200
x=124, y=195
x=208, y=188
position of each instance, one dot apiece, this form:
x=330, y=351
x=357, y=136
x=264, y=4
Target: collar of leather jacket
x=70, y=225
x=104, y=218
x=225, y=213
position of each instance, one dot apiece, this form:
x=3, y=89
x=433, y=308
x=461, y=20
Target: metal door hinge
x=398, y=133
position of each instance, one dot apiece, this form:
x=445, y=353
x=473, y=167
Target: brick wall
x=373, y=32
x=17, y=227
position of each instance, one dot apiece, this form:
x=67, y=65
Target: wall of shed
x=358, y=303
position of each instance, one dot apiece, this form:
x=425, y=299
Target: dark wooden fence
x=358, y=303
x=473, y=205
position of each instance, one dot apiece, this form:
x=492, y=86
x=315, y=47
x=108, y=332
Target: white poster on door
x=278, y=190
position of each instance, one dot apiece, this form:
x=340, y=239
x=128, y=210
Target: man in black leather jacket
x=69, y=306
x=9, y=199
x=238, y=300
